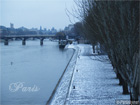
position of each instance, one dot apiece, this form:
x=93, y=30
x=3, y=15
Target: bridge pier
x=24, y=41
x=6, y=42
x=41, y=41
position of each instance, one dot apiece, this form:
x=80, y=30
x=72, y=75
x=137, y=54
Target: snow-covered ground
x=88, y=80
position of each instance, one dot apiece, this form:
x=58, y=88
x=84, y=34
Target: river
x=30, y=73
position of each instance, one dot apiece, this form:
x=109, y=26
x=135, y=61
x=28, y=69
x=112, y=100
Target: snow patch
x=93, y=81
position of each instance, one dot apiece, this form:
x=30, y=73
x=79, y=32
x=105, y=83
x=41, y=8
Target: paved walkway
x=94, y=81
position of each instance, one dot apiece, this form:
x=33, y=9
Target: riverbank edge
x=69, y=70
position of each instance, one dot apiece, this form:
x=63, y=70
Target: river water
x=30, y=73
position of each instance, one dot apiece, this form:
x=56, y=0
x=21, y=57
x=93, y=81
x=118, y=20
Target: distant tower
x=40, y=28
x=45, y=29
x=11, y=25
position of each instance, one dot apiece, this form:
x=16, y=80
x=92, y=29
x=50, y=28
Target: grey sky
x=35, y=13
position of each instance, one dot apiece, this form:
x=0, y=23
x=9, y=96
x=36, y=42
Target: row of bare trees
x=115, y=25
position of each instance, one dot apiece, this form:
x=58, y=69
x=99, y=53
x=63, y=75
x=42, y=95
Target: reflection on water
x=33, y=67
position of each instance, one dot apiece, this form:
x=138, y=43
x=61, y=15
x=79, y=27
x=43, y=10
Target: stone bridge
x=6, y=38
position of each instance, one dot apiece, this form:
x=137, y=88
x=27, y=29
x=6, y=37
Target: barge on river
x=62, y=43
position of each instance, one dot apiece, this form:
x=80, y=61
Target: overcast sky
x=36, y=13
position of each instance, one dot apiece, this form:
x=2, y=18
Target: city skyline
x=11, y=30
x=12, y=25
x=36, y=13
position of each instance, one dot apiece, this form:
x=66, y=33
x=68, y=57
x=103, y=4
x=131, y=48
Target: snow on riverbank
x=61, y=93
x=91, y=81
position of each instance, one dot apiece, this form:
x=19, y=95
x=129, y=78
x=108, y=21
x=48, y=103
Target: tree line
x=115, y=25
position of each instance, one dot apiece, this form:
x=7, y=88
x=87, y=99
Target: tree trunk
x=120, y=78
x=93, y=48
x=125, y=88
x=117, y=75
x=134, y=94
x=123, y=83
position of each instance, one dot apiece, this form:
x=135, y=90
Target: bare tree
x=115, y=24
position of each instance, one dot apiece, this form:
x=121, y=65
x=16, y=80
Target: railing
x=15, y=36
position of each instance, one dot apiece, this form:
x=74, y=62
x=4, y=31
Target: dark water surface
x=29, y=73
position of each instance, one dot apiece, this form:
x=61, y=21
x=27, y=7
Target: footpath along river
x=30, y=73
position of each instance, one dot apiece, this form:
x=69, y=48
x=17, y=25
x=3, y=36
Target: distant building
x=11, y=25
x=45, y=29
x=23, y=28
x=40, y=28
x=69, y=28
x=35, y=30
x=53, y=30
x=69, y=31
